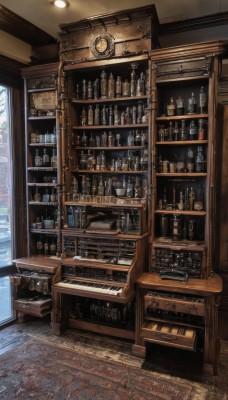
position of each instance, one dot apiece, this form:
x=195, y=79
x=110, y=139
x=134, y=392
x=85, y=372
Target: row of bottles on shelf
x=44, y=159
x=109, y=86
x=193, y=163
x=180, y=228
x=131, y=187
x=45, y=245
x=127, y=162
x=47, y=137
x=112, y=115
x=196, y=130
x=189, y=199
x=135, y=137
x=46, y=197
x=121, y=221
x=194, y=104
x=49, y=179
x=47, y=221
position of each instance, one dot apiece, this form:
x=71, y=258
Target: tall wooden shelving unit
x=178, y=300
x=106, y=177
x=35, y=271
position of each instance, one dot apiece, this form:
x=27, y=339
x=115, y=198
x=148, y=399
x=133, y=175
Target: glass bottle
x=116, y=115
x=171, y=108
x=137, y=140
x=180, y=108
x=170, y=131
x=130, y=188
x=54, y=159
x=111, y=139
x=111, y=86
x=46, y=246
x=45, y=158
x=127, y=115
x=192, y=130
x=139, y=112
x=100, y=190
x=84, y=140
x=38, y=159
x=176, y=131
x=200, y=162
x=97, y=115
x=90, y=115
x=202, y=101
x=83, y=118
x=104, y=139
x=118, y=86
x=37, y=195
x=140, y=87
x=91, y=140
x=96, y=89
x=130, y=139
x=110, y=115
x=118, y=139
x=134, y=115
x=104, y=115
x=191, y=104
x=183, y=131
x=201, y=130
x=133, y=81
x=191, y=199
x=89, y=90
x=126, y=88
x=39, y=245
x=84, y=89
x=104, y=85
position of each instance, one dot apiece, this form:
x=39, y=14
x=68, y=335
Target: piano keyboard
x=91, y=287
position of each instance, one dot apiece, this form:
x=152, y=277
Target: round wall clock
x=103, y=46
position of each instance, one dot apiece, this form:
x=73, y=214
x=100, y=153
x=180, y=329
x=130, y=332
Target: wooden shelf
x=110, y=148
x=181, y=142
x=105, y=127
x=182, y=174
x=178, y=212
x=109, y=100
x=107, y=171
x=179, y=117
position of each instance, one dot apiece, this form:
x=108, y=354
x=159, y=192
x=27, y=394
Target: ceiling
x=48, y=18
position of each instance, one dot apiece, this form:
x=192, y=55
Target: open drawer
x=169, y=334
x=38, y=306
x=174, y=304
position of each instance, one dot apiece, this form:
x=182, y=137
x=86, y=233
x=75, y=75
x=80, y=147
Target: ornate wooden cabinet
x=182, y=258
x=33, y=280
x=105, y=102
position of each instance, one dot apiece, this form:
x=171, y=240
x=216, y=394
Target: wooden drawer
x=174, y=304
x=169, y=334
x=37, y=307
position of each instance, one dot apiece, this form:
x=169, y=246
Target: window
x=5, y=206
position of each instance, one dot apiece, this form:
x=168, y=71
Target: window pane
x=6, y=312
x=5, y=198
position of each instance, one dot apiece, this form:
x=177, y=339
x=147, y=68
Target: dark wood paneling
x=194, y=23
x=22, y=29
x=10, y=72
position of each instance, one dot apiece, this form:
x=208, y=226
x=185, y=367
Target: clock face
x=103, y=45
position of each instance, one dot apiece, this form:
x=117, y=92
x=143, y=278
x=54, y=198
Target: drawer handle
x=168, y=337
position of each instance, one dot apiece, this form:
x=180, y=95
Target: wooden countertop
x=204, y=287
x=39, y=263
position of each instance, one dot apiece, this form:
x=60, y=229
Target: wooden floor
x=170, y=362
